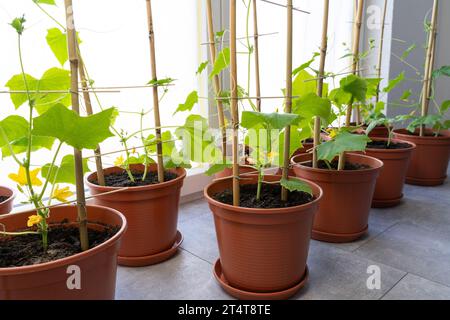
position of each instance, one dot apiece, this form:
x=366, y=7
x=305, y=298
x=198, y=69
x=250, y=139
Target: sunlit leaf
x=394, y=82
x=343, y=142
x=294, y=184
x=68, y=127
x=191, y=101
x=222, y=62
x=65, y=172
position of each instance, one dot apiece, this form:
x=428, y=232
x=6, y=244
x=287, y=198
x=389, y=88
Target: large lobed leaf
x=356, y=86
x=343, y=142
x=53, y=79
x=72, y=129
x=274, y=120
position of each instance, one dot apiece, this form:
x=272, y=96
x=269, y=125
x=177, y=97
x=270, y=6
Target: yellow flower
x=21, y=177
x=61, y=194
x=119, y=161
x=32, y=220
x=333, y=133
x=271, y=155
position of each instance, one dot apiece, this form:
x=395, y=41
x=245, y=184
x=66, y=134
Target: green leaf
x=222, y=62
x=278, y=145
x=442, y=71
x=168, y=143
x=216, y=168
x=275, y=120
x=139, y=160
x=191, y=100
x=199, y=143
x=21, y=145
x=161, y=82
x=372, y=87
x=12, y=128
x=202, y=67
x=305, y=65
x=57, y=41
x=340, y=97
x=445, y=106
x=343, y=142
x=18, y=24
x=356, y=86
x=50, y=2
x=311, y=105
x=406, y=53
x=65, y=172
x=294, y=184
x=428, y=120
x=394, y=82
x=68, y=127
x=406, y=94
x=53, y=79
x=304, y=84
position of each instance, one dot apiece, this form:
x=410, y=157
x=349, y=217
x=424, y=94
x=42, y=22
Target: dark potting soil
x=270, y=197
x=121, y=179
x=334, y=165
x=384, y=145
x=63, y=242
x=3, y=198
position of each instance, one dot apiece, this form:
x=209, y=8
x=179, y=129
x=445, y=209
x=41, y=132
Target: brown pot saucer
x=154, y=258
x=429, y=182
x=247, y=295
x=386, y=203
x=337, y=237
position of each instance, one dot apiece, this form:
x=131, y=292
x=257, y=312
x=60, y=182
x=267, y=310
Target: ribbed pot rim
x=149, y=187
x=341, y=172
x=68, y=260
x=405, y=133
x=11, y=197
x=262, y=211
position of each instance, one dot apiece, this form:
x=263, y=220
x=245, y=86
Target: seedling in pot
x=53, y=124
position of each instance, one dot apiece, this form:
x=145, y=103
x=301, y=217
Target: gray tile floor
x=409, y=243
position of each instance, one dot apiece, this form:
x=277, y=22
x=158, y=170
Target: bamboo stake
x=430, y=71
x=89, y=111
x=288, y=101
x=216, y=81
x=256, y=48
x=73, y=59
x=428, y=65
x=234, y=104
x=323, y=54
x=151, y=37
x=380, y=52
x=355, y=51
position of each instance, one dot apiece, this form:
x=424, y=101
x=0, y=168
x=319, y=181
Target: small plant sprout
x=263, y=138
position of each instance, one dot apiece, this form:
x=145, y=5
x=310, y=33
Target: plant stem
x=127, y=165
x=341, y=162
x=50, y=171
x=260, y=180
x=145, y=149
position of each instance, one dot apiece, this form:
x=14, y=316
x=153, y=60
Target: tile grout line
x=395, y=284
x=198, y=257
x=375, y=237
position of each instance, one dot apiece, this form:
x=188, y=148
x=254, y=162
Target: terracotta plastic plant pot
x=48, y=281
x=152, y=215
x=379, y=132
x=390, y=182
x=262, y=251
x=347, y=196
x=7, y=205
x=228, y=172
x=429, y=161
